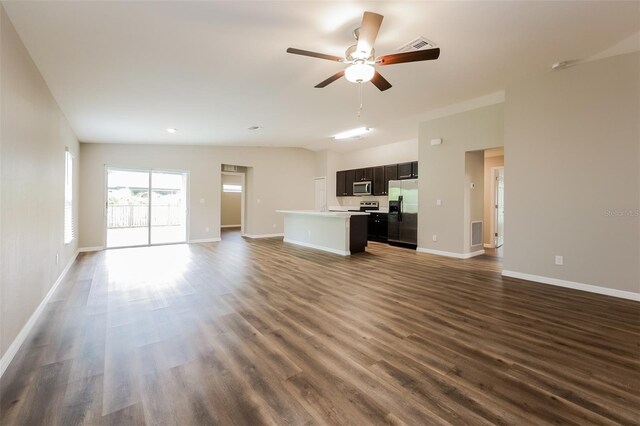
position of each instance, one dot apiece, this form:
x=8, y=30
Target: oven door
x=362, y=188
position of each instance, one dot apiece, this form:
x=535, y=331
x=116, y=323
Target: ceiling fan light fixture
x=359, y=73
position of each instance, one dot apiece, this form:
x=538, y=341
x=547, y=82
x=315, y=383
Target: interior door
x=321, y=194
x=168, y=207
x=499, y=207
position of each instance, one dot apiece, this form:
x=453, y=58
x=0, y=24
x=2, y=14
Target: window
x=231, y=188
x=68, y=197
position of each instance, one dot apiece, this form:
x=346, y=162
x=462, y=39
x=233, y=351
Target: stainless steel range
x=369, y=205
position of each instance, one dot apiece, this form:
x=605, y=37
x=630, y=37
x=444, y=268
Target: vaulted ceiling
x=124, y=72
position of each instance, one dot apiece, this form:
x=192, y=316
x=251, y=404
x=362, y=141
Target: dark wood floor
x=261, y=332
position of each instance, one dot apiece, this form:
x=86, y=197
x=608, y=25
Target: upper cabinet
x=408, y=170
x=378, y=176
x=341, y=190
x=405, y=171
x=365, y=175
x=349, y=178
x=379, y=181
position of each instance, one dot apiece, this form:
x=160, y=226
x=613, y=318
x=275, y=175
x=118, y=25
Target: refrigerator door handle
x=400, y=208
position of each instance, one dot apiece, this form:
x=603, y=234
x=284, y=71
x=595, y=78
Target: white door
x=499, y=207
x=321, y=194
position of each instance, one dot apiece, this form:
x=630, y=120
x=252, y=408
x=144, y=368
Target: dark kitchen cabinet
x=349, y=178
x=364, y=175
x=344, y=183
x=379, y=181
x=378, y=176
x=408, y=170
x=340, y=183
x=390, y=173
x=377, y=227
x=405, y=170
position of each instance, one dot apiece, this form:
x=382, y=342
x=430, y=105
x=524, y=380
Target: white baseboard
x=574, y=285
x=230, y=226
x=87, y=249
x=205, y=240
x=317, y=247
x=489, y=246
x=263, y=235
x=26, y=329
x=450, y=253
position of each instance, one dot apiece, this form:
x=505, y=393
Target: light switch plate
x=559, y=260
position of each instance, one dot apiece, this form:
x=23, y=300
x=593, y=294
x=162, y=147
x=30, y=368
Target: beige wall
x=572, y=143
x=277, y=178
x=489, y=196
x=329, y=162
x=442, y=174
x=231, y=202
x=34, y=134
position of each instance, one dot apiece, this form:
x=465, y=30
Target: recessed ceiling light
x=254, y=128
x=171, y=130
x=352, y=133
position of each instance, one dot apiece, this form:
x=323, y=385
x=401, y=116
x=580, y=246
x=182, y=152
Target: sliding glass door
x=168, y=207
x=145, y=207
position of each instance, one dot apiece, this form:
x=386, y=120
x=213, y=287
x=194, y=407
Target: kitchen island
x=342, y=233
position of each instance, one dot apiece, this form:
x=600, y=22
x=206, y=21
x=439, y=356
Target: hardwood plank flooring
x=252, y=332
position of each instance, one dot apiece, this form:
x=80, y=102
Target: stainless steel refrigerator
x=403, y=212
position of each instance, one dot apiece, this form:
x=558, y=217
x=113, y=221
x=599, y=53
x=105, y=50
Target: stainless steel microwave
x=362, y=188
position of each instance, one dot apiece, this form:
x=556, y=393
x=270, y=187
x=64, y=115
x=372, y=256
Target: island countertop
x=344, y=214
x=342, y=233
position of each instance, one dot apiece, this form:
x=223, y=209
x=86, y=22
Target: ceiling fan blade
x=314, y=54
x=380, y=82
x=367, y=34
x=399, y=58
x=330, y=80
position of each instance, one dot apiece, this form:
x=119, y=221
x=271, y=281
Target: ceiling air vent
x=420, y=43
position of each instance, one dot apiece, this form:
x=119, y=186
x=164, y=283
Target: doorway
x=232, y=203
x=494, y=201
x=498, y=219
x=145, y=207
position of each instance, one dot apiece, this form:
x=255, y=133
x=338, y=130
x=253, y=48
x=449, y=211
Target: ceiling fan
x=361, y=56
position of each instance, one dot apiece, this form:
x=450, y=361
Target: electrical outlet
x=206, y=229
x=559, y=260
x=434, y=237
x=438, y=202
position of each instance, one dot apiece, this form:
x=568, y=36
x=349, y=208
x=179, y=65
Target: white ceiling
x=123, y=72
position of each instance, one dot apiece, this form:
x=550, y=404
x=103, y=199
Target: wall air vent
x=476, y=233
x=229, y=168
x=420, y=43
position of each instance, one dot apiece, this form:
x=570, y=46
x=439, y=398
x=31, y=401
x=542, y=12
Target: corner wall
x=442, y=175
x=572, y=174
x=33, y=137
